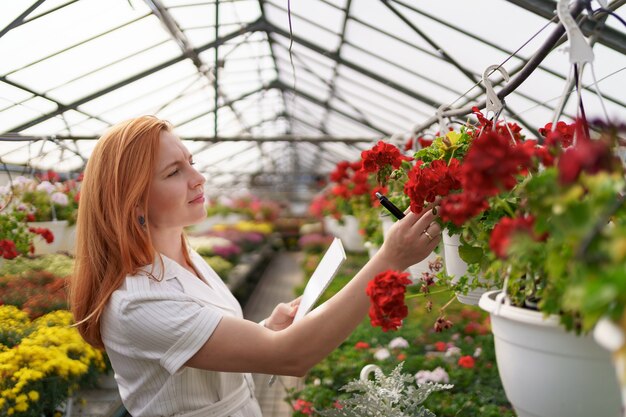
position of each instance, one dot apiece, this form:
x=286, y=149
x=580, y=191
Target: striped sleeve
x=166, y=327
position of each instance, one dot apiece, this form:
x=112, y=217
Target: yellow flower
x=21, y=407
x=33, y=395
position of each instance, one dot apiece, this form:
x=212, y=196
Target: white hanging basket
x=611, y=337
x=348, y=232
x=58, y=228
x=546, y=371
x=69, y=240
x=457, y=267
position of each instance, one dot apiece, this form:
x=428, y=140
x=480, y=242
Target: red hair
x=110, y=242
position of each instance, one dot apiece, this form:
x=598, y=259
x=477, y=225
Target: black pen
x=398, y=214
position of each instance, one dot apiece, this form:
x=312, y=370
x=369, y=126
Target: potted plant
x=561, y=251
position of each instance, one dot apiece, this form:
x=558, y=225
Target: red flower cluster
x=43, y=232
x=458, y=208
x=501, y=128
x=8, y=249
x=590, y=156
x=381, y=156
x=386, y=292
x=505, y=229
x=562, y=136
x=436, y=179
x=304, y=407
x=466, y=362
x=492, y=163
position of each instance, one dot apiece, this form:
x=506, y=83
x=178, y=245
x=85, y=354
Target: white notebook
x=321, y=278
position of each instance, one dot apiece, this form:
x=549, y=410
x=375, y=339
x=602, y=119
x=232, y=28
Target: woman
x=175, y=335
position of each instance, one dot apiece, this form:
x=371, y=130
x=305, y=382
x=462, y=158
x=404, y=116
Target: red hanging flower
x=590, y=156
x=340, y=172
x=386, y=292
x=43, y=232
x=504, y=231
x=427, y=183
x=491, y=163
x=562, y=136
x=8, y=250
x=382, y=159
x=459, y=208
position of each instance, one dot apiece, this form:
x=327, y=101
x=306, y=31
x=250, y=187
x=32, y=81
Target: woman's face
x=176, y=196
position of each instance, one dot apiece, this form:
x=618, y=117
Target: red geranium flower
x=505, y=229
x=493, y=162
x=305, y=407
x=362, y=345
x=590, y=156
x=43, y=232
x=562, y=136
x=427, y=183
x=8, y=250
x=382, y=159
x=386, y=292
x=441, y=346
x=466, y=362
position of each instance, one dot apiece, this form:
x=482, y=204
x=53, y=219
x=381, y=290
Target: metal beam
x=18, y=20
x=253, y=26
x=362, y=70
x=210, y=139
x=608, y=36
x=282, y=86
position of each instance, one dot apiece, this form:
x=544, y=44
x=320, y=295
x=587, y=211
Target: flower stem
x=423, y=294
x=448, y=303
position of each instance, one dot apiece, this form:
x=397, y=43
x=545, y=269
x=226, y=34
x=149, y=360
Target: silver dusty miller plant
x=395, y=395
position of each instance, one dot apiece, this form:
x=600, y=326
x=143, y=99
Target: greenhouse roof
x=269, y=94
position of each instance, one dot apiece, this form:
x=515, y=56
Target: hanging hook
x=579, y=50
x=494, y=104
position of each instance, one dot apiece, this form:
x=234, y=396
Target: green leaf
x=470, y=254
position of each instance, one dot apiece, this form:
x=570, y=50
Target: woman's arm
x=242, y=346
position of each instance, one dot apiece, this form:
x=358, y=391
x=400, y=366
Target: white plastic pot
x=57, y=228
x=611, y=337
x=69, y=239
x=457, y=267
x=546, y=371
x=348, y=232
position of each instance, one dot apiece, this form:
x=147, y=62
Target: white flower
x=317, y=382
x=59, y=198
x=398, y=343
x=5, y=189
x=46, y=186
x=453, y=351
x=382, y=354
x=438, y=375
x=478, y=352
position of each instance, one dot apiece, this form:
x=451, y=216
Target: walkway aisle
x=275, y=286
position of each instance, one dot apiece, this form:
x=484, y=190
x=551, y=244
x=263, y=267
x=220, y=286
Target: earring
x=142, y=221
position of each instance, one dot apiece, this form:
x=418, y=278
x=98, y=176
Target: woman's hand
x=411, y=239
x=283, y=315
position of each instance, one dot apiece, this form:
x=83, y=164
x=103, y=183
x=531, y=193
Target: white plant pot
x=417, y=269
x=69, y=240
x=546, y=371
x=58, y=230
x=348, y=232
x=611, y=337
x=457, y=267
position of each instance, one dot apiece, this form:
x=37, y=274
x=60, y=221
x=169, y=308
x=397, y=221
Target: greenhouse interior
x=313, y=208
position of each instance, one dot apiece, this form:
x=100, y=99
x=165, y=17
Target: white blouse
x=152, y=328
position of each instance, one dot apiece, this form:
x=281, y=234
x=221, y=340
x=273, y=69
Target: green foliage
x=57, y=264
x=220, y=265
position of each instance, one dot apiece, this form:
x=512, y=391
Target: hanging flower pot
x=347, y=230
x=58, y=229
x=547, y=371
x=457, y=267
x=611, y=337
